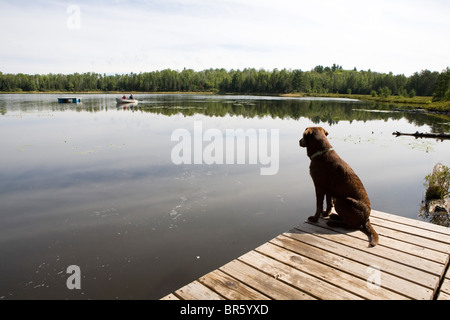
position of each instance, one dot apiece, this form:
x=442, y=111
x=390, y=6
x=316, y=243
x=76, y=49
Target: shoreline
x=107, y=92
x=418, y=103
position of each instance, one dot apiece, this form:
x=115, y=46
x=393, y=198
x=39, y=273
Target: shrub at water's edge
x=436, y=206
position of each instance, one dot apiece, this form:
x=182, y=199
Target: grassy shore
x=418, y=102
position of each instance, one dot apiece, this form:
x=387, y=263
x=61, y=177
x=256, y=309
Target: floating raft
x=69, y=100
x=314, y=261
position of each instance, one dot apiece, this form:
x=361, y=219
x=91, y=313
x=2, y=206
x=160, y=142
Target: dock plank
x=419, y=236
x=409, y=221
x=446, y=286
x=444, y=293
x=380, y=250
x=343, y=280
x=197, y=291
x=262, y=282
x=443, y=296
x=314, y=261
x=368, y=259
x=397, y=245
x=229, y=287
x=360, y=270
x=294, y=277
x=170, y=296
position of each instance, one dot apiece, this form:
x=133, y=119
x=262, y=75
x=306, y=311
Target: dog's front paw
x=313, y=219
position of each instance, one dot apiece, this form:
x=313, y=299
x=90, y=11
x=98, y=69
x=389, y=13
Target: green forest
x=320, y=80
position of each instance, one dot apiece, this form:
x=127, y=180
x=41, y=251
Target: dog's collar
x=319, y=153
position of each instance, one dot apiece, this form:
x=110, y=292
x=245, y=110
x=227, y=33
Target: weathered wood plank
x=380, y=250
x=435, y=237
x=261, y=282
x=229, y=287
x=360, y=270
x=294, y=277
x=443, y=296
x=415, y=239
x=445, y=287
x=444, y=290
x=197, y=291
x=170, y=296
x=405, y=247
x=409, y=221
x=337, y=277
x=388, y=266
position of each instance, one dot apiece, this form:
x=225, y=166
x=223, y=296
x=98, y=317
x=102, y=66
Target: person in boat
x=124, y=97
x=131, y=96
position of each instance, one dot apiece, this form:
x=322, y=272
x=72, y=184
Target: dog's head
x=312, y=133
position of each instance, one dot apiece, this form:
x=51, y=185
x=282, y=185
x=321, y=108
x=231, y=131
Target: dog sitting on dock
x=336, y=180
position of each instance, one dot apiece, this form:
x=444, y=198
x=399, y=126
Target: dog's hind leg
x=355, y=214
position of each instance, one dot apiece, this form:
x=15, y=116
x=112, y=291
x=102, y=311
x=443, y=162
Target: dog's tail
x=371, y=233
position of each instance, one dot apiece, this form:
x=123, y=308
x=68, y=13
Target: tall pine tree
x=442, y=86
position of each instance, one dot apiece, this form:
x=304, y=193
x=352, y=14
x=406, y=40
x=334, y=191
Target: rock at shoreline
x=436, y=206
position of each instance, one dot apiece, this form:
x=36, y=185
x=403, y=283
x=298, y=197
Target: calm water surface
x=94, y=185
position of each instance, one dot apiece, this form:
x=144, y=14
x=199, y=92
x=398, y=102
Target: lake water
x=95, y=184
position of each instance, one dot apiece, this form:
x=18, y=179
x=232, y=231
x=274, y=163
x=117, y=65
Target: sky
x=124, y=36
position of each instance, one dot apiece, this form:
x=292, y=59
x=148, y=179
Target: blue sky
x=49, y=36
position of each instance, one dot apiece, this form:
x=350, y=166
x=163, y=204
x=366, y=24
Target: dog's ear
x=308, y=131
x=304, y=139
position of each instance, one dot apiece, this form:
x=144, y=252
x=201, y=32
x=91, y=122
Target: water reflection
x=330, y=112
x=126, y=106
x=318, y=110
x=93, y=185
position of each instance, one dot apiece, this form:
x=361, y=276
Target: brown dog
x=336, y=180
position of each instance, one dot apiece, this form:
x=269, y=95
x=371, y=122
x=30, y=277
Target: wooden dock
x=314, y=261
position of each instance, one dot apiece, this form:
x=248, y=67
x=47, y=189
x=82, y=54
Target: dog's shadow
x=321, y=233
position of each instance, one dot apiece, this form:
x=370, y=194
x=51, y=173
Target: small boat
x=121, y=100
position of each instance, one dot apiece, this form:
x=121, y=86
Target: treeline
x=318, y=80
